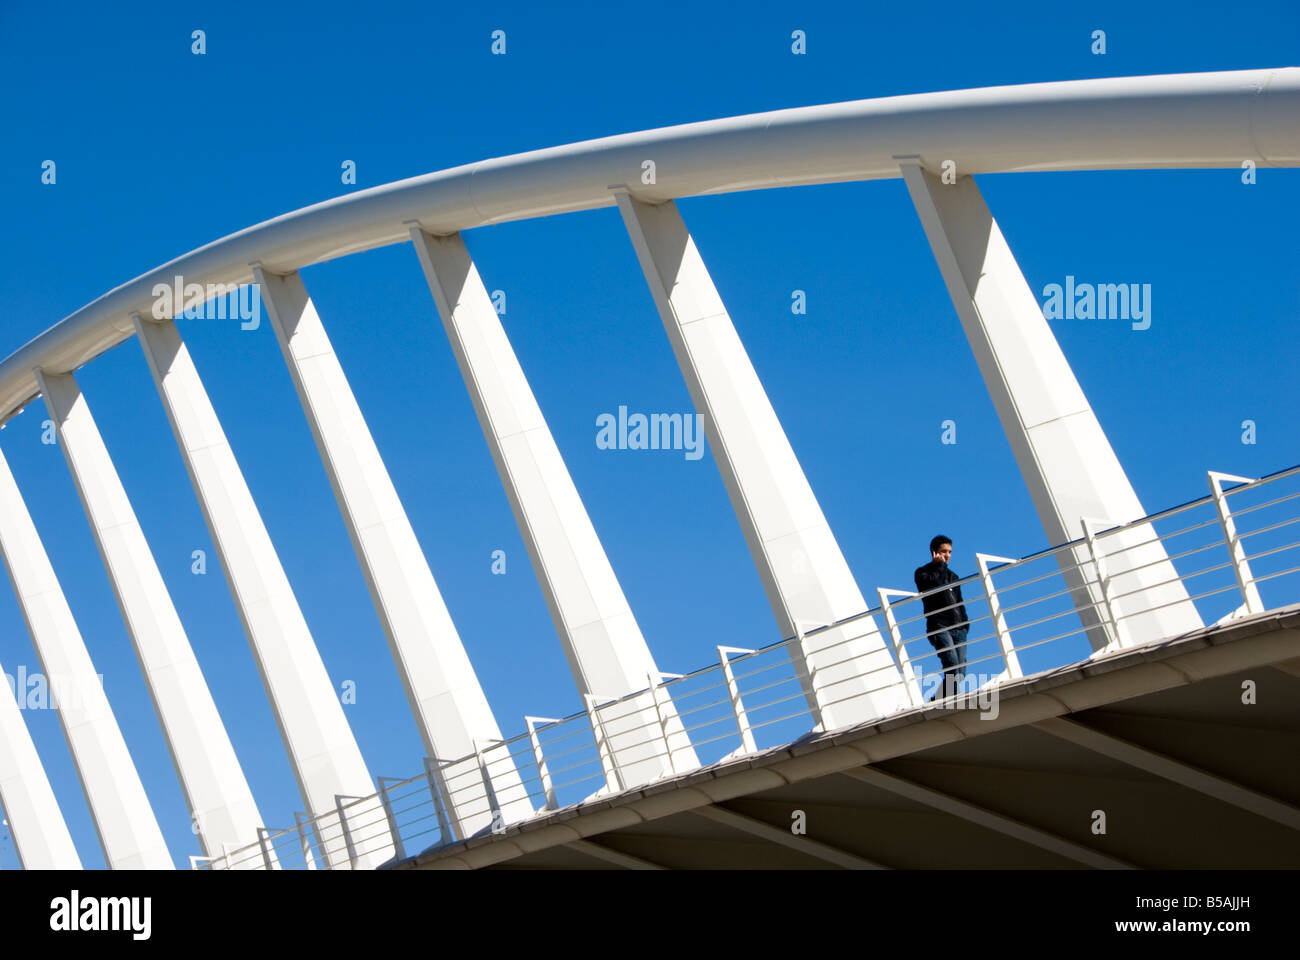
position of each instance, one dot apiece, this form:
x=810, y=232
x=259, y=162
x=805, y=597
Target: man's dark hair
x=938, y=542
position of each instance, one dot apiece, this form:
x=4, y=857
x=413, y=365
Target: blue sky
x=159, y=151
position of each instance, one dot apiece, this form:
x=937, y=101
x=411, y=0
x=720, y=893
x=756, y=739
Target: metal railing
x=1231, y=553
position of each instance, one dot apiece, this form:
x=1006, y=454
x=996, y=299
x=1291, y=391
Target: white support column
x=1066, y=461
x=127, y=829
x=602, y=642
x=450, y=708
x=40, y=834
x=216, y=792
x=325, y=758
x=852, y=676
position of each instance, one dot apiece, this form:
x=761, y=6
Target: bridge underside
x=1183, y=752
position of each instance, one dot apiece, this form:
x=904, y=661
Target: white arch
x=1108, y=124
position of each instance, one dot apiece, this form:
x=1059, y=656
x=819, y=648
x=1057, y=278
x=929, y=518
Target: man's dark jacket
x=930, y=577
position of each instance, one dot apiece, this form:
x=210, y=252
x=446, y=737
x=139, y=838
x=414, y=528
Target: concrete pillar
x=1068, y=465
x=35, y=822
x=325, y=758
x=216, y=792
x=450, y=708
x=606, y=652
x=849, y=675
x=128, y=832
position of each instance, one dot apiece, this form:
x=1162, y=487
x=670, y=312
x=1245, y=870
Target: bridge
x=1152, y=656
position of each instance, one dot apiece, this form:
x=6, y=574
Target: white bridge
x=1128, y=606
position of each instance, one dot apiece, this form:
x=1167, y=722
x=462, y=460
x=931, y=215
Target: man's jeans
x=951, y=645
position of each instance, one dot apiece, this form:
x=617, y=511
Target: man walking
x=945, y=614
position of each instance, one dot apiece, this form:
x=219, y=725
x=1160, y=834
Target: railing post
x=301, y=819
x=655, y=683
x=896, y=641
x=806, y=671
x=446, y=829
x=1241, y=567
x=262, y=834
x=494, y=805
x=613, y=779
x=747, y=743
x=995, y=610
x=382, y=782
x=347, y=832
x=1103, y=580
x=659, y=715
x=543, y=772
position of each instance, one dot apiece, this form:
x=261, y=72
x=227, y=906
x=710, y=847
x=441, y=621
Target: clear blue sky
x=159, y=151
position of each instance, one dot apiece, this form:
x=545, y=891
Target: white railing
x=1238, y=550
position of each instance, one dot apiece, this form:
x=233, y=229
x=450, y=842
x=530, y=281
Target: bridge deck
x=1157, y=738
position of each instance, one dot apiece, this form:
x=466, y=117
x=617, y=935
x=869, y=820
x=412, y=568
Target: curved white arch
x=1177, y=120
